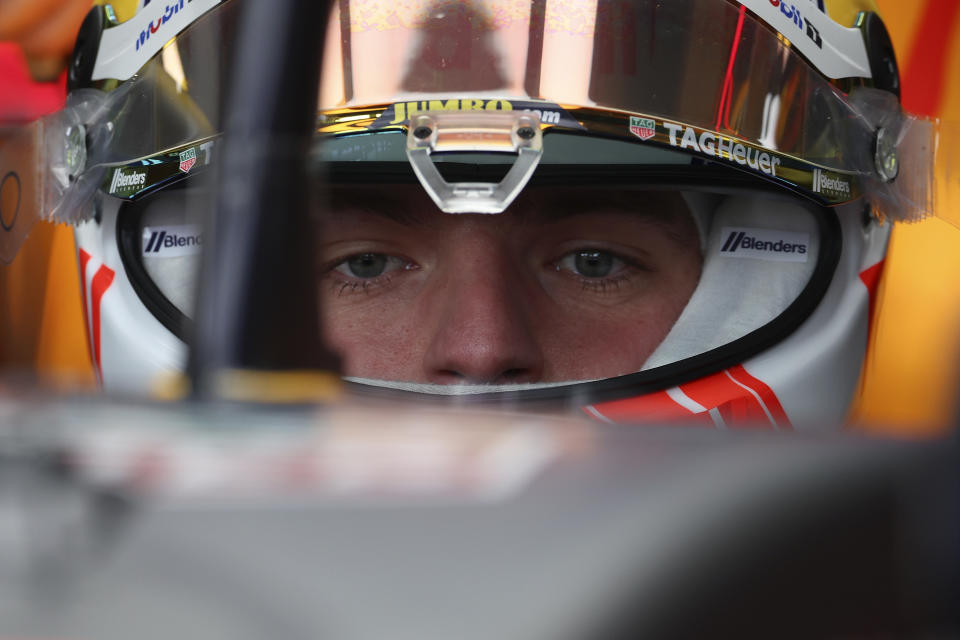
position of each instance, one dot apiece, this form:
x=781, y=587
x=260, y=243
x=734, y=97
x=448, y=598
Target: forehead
x=409, y=205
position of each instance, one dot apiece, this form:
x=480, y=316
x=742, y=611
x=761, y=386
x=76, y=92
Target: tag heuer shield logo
x=188, y=158
x=643, y=128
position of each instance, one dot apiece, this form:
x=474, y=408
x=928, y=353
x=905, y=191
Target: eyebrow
x=340, y=203
x=563, y=211
x=665, y=209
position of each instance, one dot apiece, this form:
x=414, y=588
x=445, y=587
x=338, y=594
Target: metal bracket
x=474, y=131
x=886, y=158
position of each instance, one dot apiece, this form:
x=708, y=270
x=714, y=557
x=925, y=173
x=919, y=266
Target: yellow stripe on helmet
x=124, y=9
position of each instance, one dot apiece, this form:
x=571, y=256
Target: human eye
x=599, y=270
x=591, y=263
x=365, y=266
x=362, y=271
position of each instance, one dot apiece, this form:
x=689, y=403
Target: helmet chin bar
x=515, y=133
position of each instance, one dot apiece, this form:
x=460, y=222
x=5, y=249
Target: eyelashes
x=605, y=285
x=598, y=270
x=341, y=287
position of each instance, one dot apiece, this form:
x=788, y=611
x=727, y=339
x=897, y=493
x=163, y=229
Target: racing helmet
x=645, y=210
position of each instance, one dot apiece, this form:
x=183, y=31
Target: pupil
x=594, y=264
x=367, y=265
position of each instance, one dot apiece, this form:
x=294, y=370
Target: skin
x=565, y=285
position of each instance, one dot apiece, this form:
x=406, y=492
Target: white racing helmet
x=754, y=150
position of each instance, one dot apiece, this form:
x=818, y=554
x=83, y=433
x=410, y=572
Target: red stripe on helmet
x=87, y=322
x=767, y=397
x=925, y=77
x=871, y=279
x=652, y=407
x=740, y=399
x=101, y=281
x=736, y=404
x=726, y=94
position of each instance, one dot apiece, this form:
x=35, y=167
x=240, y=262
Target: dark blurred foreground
x=120, y=521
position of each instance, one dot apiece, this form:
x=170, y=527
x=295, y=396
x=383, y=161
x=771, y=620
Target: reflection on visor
x=707, y=64
x=705, y=77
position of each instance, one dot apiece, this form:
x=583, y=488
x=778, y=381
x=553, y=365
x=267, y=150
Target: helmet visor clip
x=509, y=133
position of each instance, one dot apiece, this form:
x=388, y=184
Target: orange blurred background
x=911, y=378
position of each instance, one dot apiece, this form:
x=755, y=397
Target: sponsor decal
x=154, y=26
x=206, y=149
x=792, y=13
x=643, y=128
x=127, y=182
x=400, y=113
x=830, y=184
x=188, y=158
x=172, y=241
x=836, y=51
x=765, y=244
x=126, y=47
x=711, y=144
x=124, y=183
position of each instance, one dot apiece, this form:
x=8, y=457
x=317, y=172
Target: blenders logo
x=127, y=183
x=792, y=13
x=765, y=244
x=643, y=128
x=188, y=158
x=720, y=147
x=172, y=241
x=830, y=184
x=169, y=11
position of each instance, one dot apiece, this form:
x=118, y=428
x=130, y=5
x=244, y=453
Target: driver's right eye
x=369, y=265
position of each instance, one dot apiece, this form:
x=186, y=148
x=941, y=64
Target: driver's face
x=565, y=285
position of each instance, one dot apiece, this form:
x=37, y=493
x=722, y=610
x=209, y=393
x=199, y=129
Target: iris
x=367, y=265
x=593, y=264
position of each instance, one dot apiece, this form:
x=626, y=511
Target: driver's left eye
x=591, y=263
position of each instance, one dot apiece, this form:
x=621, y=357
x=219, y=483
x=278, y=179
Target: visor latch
x=886, y=159
x=509, y=133
x=75, y=151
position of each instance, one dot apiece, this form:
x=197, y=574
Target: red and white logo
x=188, y=158
x=643, y=128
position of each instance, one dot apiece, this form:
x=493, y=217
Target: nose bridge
x=484, y=331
